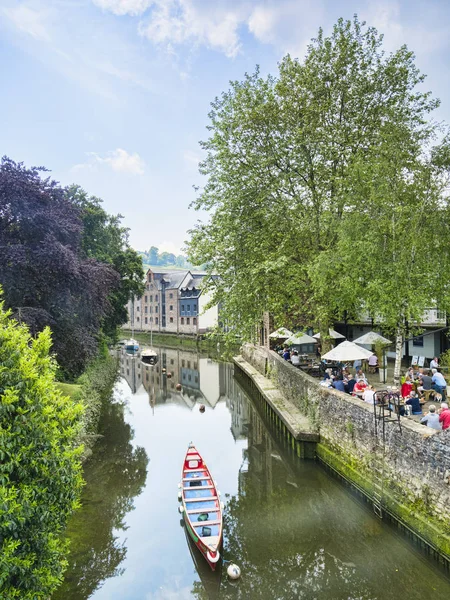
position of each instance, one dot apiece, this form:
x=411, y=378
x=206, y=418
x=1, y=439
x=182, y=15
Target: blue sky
x=114, y=94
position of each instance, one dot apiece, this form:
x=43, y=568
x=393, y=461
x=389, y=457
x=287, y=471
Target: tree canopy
x=40, y=473
x=306, y=165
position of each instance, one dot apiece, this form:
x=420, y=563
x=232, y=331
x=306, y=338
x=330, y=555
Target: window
x=138, y=308
x=171, y=307
x=189, y=364
x=182, y=320
x=156, y=320
x=138, y=319
x=195, y=366
x=188, y=321
x=171, y=319
x=146, y=309
x=146, y=298
x=418, y=341
x=183, y=363
x=182, y=308
x=188, y=307
x=194, y=321
x=172, y=362
x=148, y=287
x=146, y=320
x=156, y=309
x=194, y=309
x=171, y=296
x=151, y=298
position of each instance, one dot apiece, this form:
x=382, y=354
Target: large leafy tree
x=106, y=240
x=40, y=475
x=47, y=279
x=280, y=161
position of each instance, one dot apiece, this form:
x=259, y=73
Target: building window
x=146, y=320
x=151, y=298
x=189, y=364
x=171, y=319
x=183, y=363
x=156, y=309
x=170, y=296
x=171, y=307
x=148, y=287
x=196, y=379
x=146, y=298
x=182, y=320
x=418, y=341
x=195, y=366
x=194, y=321
x=146, y=309
x=188, y=321
x=182, y=308
x=138, y=319
x=188, y=307
x=156, y=320
x=138, y=308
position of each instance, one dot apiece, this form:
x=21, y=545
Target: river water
x=294, y=530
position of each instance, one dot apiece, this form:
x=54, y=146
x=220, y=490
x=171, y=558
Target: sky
x=114, y=94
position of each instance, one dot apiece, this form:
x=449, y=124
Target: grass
x=69, y=389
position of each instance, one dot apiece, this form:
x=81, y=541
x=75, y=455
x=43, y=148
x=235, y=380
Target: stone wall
x=416, y=464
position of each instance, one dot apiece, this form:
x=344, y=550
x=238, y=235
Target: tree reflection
x=114, y=477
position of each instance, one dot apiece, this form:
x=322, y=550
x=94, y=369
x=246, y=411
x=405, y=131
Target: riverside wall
x=414, y=465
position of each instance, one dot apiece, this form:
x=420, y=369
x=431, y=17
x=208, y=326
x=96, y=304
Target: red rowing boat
x=201, y=506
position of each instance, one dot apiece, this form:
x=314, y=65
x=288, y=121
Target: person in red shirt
x=359, y=387
x=407, y=387
x=444, y=416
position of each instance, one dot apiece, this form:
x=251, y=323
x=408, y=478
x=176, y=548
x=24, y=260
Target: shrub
x=40, y=472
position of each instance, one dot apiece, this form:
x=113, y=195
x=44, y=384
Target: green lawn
x=69, y=389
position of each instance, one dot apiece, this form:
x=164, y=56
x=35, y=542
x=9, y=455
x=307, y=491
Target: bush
x=40, y=472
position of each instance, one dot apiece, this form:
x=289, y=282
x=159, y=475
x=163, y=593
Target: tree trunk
x=398, y=355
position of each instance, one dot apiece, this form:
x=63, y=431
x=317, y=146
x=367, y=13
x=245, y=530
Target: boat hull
x=201, y=507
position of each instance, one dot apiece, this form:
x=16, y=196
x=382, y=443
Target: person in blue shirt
x=338, y=384
x=439, y=384
x=414, y=402
x=286, y=354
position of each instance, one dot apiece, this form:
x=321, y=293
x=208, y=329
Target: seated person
x=360, y=375
x=327, y=381
x=431, y=419
x=373, y=363
x=425, y=381
x=369, y=395
x=350, y=384
x=439, y=384
x=434, y=364
x=286, y=354
x=410, y=373
x=359, y=387
x=407, y=387
x=413, y=401
x=338, y=384
x=295, y=358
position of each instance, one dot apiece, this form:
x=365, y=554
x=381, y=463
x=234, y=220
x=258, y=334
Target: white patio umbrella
x=301, y=338
x=334, y=335
x=370, y=338
x=347, y=351
x=281, y=333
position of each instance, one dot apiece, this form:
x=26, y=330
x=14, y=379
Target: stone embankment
x=406, y=472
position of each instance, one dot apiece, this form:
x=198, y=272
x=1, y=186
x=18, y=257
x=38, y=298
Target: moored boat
x=149, y=356
x=201, y=507
x=131, y=346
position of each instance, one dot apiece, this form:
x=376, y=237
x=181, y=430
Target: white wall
x=206, y=319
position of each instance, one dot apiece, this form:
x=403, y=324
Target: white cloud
x=212, y=24
x=118, y=160
x=29, y=20
x=124, y=7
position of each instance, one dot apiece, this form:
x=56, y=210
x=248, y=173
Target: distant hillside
x=153, y=259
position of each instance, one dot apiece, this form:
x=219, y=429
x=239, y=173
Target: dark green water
x=294, y=530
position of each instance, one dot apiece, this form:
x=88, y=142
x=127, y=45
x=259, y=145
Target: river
x=294, y=530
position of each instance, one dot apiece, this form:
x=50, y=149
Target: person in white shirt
x=295, y=358
x=434, y=364
x=369, y=395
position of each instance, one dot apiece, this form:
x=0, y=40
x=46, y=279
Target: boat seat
x=198, y=487
x=208, y=523
x=192, y=511
x=208, y=498
x=195, y=478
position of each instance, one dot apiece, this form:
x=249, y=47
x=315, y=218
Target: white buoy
x=233, y=571
x=181, y=509
x=179, y=486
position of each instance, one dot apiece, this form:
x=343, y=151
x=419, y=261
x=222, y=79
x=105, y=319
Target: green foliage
x=324, y=195
x=40, y=475
x=153, y=258
x=105, y=239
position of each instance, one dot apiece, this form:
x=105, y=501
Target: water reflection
x=294, y=530
x=113, y=479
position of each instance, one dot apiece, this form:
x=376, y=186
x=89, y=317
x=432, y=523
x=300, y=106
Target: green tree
x=40, y=473
x=280, y=161
x=106, y=240
x=152, y=255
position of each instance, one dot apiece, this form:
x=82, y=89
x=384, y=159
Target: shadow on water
x=114, y=477
x=294, y=530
